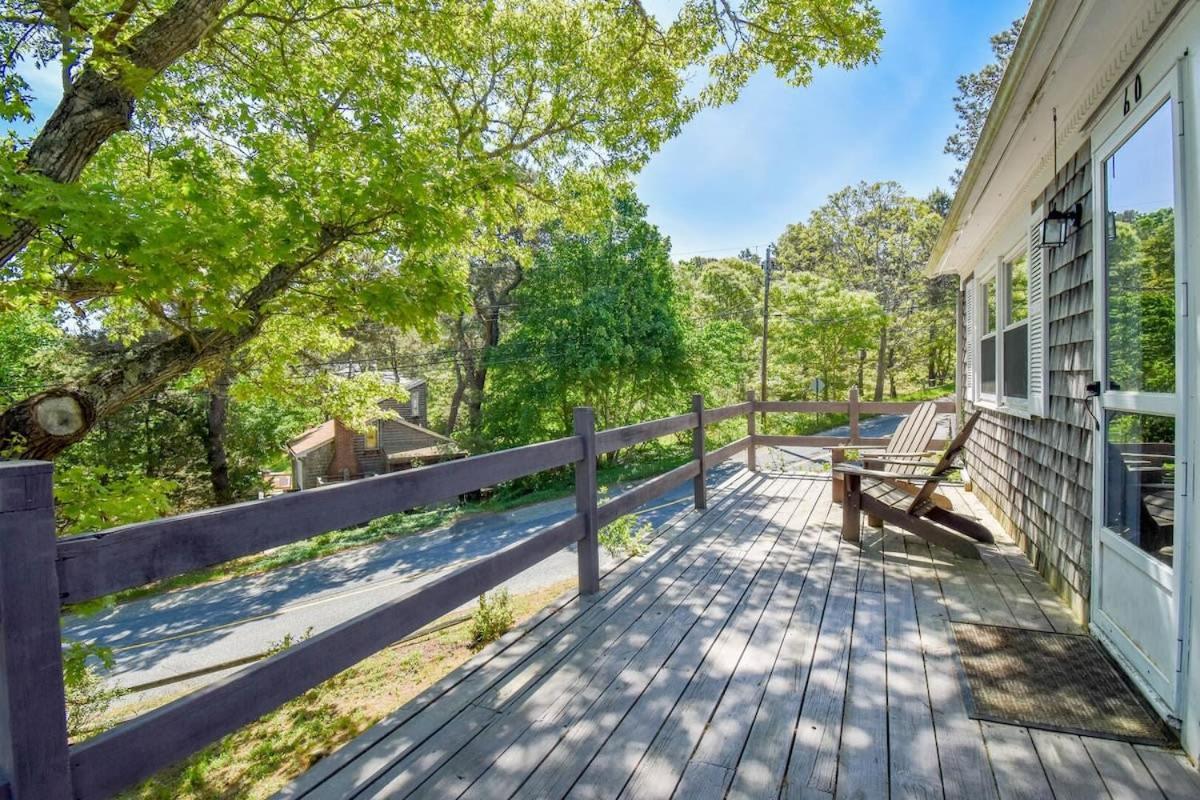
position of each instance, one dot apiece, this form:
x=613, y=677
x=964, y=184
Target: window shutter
x=968, y=375
x=1039, y=387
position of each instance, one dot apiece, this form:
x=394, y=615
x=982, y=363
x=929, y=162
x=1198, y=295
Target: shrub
x=492, y=618
x=625, y=536
x=87, y=698
x=279, y=645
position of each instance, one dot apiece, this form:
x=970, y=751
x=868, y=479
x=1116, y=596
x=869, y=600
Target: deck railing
x=40, y=573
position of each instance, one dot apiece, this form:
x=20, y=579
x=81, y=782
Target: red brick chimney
x=345, y=463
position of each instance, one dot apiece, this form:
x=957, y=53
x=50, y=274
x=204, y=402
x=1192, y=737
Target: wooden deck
x=750, y=654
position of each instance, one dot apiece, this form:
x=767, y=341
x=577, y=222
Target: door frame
x=1167, y=695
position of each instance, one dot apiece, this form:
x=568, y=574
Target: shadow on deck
x=750, y=654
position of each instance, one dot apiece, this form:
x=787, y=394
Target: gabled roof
x=323, y=434
x=312, y=438
x=405, y=423
x=1071, y=56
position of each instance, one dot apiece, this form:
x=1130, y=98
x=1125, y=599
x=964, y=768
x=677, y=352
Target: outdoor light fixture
x=1057, y=225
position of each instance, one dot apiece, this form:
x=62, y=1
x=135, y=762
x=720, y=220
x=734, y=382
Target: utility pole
x=762, y=367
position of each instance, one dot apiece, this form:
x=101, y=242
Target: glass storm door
x=1141, y=444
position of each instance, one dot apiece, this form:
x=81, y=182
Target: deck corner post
x=700, y=491
x=751, y=432
x=34, y=757
x=854, y=415
x=586, y=501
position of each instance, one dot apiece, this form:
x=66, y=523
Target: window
x=1006, y=325
x=1139, y=259
x=1015, y=301
x=1139, y=481
x=987, y=341
x=371, y=438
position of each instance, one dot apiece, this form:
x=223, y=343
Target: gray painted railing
x=39, y=574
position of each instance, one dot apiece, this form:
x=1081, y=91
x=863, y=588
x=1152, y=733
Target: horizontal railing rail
x=39, y=574
x=98, y=564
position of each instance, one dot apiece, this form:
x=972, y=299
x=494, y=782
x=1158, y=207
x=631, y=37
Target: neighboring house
x=1083, y=354
x=333, y=451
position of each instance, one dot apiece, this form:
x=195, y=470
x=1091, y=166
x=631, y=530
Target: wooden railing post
x=33, y=718
x=853, y=414
x=699, y=489
x=586, y=503
x=751, y=451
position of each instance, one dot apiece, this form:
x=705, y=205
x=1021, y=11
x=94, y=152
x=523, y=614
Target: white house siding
x=1035, y=475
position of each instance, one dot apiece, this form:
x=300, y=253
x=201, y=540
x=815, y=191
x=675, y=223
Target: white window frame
x=1003, y=309
x=996, y=274
x=983, y=279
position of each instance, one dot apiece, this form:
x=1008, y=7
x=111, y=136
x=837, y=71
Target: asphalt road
x=193, y=632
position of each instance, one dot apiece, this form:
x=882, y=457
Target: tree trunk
x=99, y=103
x=460, y=386
x=47, y=423
x=218, y=460
x=881, y=363
x=476, y=381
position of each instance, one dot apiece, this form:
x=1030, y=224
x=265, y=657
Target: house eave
x=1014, y=74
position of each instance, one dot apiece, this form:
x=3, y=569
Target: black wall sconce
x=1058, y=225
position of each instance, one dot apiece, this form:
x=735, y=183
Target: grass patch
x=258, y=760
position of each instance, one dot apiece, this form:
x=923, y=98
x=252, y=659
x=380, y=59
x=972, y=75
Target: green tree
x=597, y=323
x=873, y=238
x=976, y=91
x=816, y=333
x=276, y=161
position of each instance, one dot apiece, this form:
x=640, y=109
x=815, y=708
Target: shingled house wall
x=1035, y=475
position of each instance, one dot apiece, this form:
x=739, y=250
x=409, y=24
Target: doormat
x=1055, y=681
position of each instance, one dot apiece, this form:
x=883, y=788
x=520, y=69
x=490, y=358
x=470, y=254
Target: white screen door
x=1140, y=364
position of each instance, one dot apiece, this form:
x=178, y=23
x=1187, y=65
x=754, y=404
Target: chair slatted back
x=946, y=462
x=916, y=431
x=913, y=436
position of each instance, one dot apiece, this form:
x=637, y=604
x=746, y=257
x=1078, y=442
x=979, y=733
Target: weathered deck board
x=913, y=756
x=1015, y=763
x=1072, y=774
x=1123, y=773
x=812, y=766
x=508, y=673
x=742, y=524
x=623, y=750
x=401, y=731
x=751, y=653
x=863, y=754
x=961, y=750
x=761, y=769
x=558, y=681
x=1174, y=776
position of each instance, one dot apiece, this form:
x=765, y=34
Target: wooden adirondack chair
x=909, y=442
x=905, y=499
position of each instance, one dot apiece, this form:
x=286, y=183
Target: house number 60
x=1137, y=93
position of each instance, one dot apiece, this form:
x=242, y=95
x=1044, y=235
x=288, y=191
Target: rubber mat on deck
x=1054, y=681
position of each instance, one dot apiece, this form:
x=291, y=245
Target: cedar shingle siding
x=316, y=465
x=1035, y=475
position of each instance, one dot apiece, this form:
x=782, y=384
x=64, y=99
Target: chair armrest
x=854, y=469
x=916, y=462
x=853, y=447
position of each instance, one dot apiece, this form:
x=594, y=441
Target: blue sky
x=737, y=175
